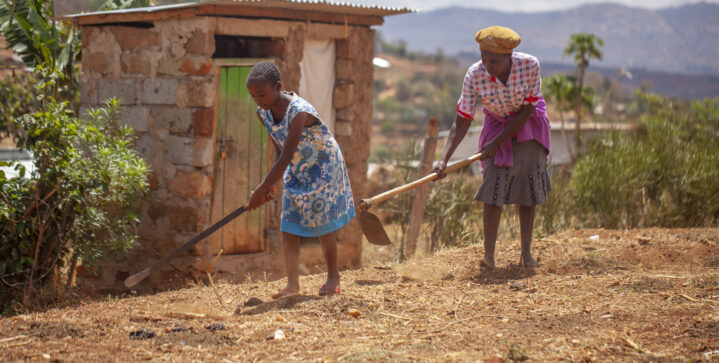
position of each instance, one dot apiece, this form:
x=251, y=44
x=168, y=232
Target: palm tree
x=583, y=46
x=557, y=88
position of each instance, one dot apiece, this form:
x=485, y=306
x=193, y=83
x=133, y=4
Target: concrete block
x=202, y=152
x=343, y=95
x=171, y=120
x=135, y=117
x=88, y=90
x=179, y=149
x=196, y=93
x=192, y=185
x=160, y=91
x=343, y=69
x=196, y=67
x=124, y=89
x=147, y=146
x=345, y=113
x=343, y=128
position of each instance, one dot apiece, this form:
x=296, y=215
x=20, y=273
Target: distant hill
x=680, y=39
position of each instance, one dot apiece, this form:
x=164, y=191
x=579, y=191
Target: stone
x=88, y=90
x=190, y=185
x=131, y=38
x=123, y=89
x=343, y=69
x=343, y=95
x=160, y=91
x=136, y=117
x=189, y=66
x=202, y=152
x=175, y=120
x=153, y=181
x=95, y=62
x=344, y=113
x=146, y=146
x=201, y=43
x=343, y=48
x=196, y=93
x=203, y=122
x=182, y=218
x=343, y=128
x=134, y=63
x=179, y=149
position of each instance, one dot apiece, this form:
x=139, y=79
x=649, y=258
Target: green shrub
x=18, y=93
x=665, y=174
x=77, y=203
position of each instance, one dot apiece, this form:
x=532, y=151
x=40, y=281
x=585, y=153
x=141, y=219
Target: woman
x=515, y=137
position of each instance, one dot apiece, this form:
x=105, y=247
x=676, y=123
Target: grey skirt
x=526, y=183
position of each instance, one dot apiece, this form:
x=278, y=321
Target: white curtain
x=317, y=77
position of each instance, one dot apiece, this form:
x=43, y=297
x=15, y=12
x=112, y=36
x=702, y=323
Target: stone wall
x=167, y=80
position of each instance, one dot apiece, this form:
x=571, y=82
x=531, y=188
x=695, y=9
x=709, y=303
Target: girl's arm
x=490, y=149
x=285, y=156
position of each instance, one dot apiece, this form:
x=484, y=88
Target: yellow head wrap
x=497, y=39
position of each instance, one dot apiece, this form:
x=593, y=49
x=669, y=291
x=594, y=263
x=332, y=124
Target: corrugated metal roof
x=338, y=7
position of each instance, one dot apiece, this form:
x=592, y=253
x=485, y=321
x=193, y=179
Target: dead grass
x=638, y=295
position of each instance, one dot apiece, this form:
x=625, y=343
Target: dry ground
x=638, y=295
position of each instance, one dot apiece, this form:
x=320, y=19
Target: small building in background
x=559, y=153
x=180, y=71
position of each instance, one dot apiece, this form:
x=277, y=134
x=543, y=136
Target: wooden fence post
x=420, y=196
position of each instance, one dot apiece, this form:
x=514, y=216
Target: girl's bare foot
x=331, y=287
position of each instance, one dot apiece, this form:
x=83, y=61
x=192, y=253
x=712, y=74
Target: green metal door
x=241, y=164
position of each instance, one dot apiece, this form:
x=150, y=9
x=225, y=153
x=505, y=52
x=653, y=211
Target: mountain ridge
x=682, y=39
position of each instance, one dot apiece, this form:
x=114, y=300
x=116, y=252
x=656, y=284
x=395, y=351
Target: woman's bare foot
x=528, y=262
x=486, y=264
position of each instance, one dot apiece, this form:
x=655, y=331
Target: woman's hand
x=439, y=169
x=257, y=199
x=489, y=150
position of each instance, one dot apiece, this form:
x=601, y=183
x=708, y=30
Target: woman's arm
x=456, y=135
x=285, y=156
x=489, y=149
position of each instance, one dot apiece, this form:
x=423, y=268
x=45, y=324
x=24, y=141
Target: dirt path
x=639, y=295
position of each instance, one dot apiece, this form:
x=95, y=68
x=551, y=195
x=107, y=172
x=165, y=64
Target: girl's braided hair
x=266, y=71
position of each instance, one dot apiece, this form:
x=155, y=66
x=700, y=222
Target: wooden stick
x=214, y=289
x=5, y=340
x=420, y=197
x=215, y=260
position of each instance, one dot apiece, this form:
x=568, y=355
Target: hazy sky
x=523, y=5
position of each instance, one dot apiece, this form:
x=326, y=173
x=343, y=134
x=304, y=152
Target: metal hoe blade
x=373, y=229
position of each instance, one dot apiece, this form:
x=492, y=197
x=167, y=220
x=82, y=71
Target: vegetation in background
x=77, y=203
x=19, y=94
x=583, y=47
x=665, y=174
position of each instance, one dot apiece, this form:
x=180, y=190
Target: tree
x=583, y=46
x=557, y=88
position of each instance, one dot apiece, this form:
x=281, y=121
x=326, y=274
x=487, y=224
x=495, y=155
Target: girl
x=514, y=139
x=317, y=199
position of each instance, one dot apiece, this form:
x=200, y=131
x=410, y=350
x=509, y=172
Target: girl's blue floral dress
x=317, y=197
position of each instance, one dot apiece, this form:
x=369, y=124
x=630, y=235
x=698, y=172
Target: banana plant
x=38, y=39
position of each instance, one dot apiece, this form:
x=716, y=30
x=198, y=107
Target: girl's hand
x=257, y=199
x=270, y=193
x=488, y=150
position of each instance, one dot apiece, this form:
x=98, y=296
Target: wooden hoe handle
x=366, y=204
